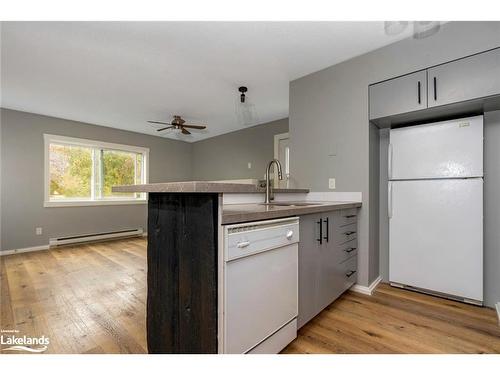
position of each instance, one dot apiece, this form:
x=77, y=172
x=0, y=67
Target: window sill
x=93, y=203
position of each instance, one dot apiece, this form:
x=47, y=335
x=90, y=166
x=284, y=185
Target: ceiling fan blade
x=168, y=127
x=184, y=131
x=159, y=122
x=195, y=126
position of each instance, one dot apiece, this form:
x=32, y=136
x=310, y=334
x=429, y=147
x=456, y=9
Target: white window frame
x=59, y=139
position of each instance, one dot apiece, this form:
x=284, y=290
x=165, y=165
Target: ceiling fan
x=177, y=123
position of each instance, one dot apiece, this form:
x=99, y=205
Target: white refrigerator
x=435, y=208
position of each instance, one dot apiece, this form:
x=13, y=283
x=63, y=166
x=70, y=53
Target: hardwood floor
x=91, y=299
x=86, y=299
x=398, y=321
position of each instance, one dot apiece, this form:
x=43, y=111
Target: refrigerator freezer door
x=439, y=150
x=436, y=235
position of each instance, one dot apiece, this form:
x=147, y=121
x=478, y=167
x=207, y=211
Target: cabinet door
x=465, y=79
x=309, y=266
x=331, y=281
x=399, y=95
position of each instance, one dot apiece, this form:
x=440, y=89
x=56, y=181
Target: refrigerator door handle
x=389, y=161
x=389, y=200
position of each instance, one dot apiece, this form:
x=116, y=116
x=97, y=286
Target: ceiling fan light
x=424, y=29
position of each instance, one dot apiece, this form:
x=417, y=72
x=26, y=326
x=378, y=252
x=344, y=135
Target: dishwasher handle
x=243, y=244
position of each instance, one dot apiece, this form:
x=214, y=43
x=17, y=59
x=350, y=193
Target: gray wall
x=22, y=185
x=227, y=156
x=491, y=207
x=383, y=201
x=328, y=117
x=374, y=177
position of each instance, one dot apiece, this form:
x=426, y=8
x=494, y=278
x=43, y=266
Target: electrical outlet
x=249, y=165
x=38, y=231
x=331, y=183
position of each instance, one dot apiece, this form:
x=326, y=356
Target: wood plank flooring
x=87, y=299
x=398, y=321
x=91, y=299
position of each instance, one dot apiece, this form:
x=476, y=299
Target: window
x=81, y=172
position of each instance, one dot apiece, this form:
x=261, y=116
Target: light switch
x=331, y=183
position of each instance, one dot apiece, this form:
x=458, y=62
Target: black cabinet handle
x=350, y=249
x=419, y=99
x=350, y=273
x=435, y=89
x=327, y=230
x=320, y=239
x=349, y=233
x=350, y=216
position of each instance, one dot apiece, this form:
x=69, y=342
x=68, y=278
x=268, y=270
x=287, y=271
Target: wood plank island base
x=182, y=273
x=186, y=261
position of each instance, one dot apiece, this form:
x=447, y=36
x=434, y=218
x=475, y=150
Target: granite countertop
x=198, y=187
x=241, y=213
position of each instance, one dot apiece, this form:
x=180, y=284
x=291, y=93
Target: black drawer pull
x=349, y=233
x=435, y=89
x=350, y=273
x=327, y=231
x=419, y=100
x=320, y=239
x=350, y=216
x=350, y=250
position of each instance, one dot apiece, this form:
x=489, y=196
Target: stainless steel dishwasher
x=260, y=285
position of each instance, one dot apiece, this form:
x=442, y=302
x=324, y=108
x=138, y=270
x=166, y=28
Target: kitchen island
x=186, y=257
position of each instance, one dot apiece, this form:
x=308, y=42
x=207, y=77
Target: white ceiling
x=120, y=74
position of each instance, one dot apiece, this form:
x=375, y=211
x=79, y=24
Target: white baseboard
x=498, y=311
x=368, y=290
x=24, y=250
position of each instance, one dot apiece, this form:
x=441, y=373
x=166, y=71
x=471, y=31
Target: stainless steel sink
x=289, y=204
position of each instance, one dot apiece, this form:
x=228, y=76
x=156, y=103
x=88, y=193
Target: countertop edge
x=199, y=187
x=236, y=218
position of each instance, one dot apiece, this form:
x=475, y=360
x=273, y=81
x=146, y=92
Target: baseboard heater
x=95, y=237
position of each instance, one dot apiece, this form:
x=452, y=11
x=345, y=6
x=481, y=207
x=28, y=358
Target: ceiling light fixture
x=395, y=27
x=421, y=29
x=424, y=29
x=242, y=90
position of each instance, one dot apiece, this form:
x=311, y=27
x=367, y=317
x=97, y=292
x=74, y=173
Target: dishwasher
x=260, y=301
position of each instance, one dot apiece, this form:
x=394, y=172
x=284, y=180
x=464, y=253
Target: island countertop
x=199, y=187
x=241, y=213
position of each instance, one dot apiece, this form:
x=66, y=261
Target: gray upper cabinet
x=399, y=95
x=470, y=78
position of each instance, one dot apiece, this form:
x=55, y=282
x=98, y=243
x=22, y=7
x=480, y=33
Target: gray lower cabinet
x=399, y=95
x=470, y=78
x=309, y=264
x=327, y=260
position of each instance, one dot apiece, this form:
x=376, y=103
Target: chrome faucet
x=269, y=193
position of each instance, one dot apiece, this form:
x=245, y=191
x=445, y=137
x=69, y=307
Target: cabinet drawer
x=347, y=250
x=348, y=216
x=350, y=272
x=252, y=238
x=347, y=233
